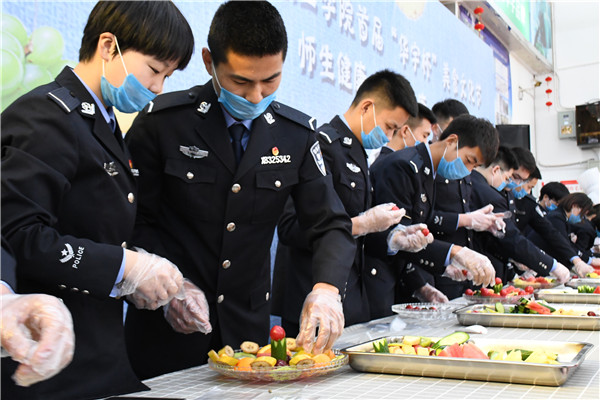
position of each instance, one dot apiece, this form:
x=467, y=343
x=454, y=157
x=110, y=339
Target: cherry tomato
x=529, y=289
x=277, y=333
x=469, y=292
x=530, y=279
x=504, y=292
x=498, y=281
x=425, y=232
x=395, y=208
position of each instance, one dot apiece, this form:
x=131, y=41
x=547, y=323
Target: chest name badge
x=276, y=159
x=193, y=151
x=87, y=108
x=353, y=167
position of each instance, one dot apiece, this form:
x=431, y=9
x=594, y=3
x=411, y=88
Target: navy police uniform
x=68, y=204
x=216, y=221
x=346, y=160
x=514, y=245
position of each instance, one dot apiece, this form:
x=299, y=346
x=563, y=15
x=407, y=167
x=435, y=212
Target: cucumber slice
x=456, y=337
x=499, y=307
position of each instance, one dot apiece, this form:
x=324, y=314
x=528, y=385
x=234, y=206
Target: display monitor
x=587, y=122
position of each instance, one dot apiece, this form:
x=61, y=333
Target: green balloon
x=47, y=46
x=12, y=72
x=14, y=26
x=11, y=43
x=56, y=69
x=35, y=75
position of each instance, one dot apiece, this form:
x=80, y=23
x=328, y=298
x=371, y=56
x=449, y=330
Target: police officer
x=381, y=106
x=550, y=194
x=407, y=178
x=69, y=193
x=217, y=163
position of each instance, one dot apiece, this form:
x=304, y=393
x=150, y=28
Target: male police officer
x=217, y=163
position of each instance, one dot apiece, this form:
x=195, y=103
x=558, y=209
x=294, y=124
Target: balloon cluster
x=28, y=61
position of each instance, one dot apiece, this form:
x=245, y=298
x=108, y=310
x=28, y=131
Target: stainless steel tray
x=555, y=296
x=570, y=356
x=583, y=281
x=467, y=317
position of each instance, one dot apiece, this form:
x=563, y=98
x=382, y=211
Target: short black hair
x=554, y=190
x=449, y=108
x=525, y=158
x=474, y=132
x=505, y=158
x=154, y=28
x=596, y=220
x=249, y=28
x=578, y=199
x=536, y=174
x=423, y=113
x=390, y=87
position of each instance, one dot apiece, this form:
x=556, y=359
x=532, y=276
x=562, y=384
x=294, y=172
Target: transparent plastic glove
x=595, y=262
x=149, y=281
x=408, y=238
x=478, y=266
x=190, y=314
x=573, y=237
x=429, y=294
x=456, y=273
x=485, y=220
x=323, y=309
x=561, y=273
x=526, y=272
x=581, y=268
x=379, y=218
x=37, y=332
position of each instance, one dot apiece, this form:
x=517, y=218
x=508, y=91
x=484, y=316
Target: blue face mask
x=574, y=219
x=130, y=97
x=501, y=186
x=376, y=138
x=411, y=133
x=511, y=185
x=456, y=169
x=239, y=107
x=519, y=194
x=552, y=207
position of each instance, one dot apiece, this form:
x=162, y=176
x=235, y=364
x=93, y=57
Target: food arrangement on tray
x=504, y=294
x=539, y=282
x=281, y=360
x=580, y=295
x=459, y=356
x=592, y=280
x=425, y=311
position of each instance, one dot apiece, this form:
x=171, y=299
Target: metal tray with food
x=567, y=295
x=574, y=283
x=478, y=315
x=569, y=355
x=425, y=311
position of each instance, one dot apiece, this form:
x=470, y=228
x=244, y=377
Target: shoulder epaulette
x=172, y=99
x=416, y=162
x=328, y=133
x=65, y=100
x=294, y=115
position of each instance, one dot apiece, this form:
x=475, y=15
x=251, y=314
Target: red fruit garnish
x=395, y=208
x=530, y=279
x=591, y=314
x=498, y=281
x=575, y=277
x=408, y=307
x=529, y=289
x=504, y=292
x=464, y=271
x=469, y=292
x=522, y=292
x=597, y=290
x=425, y=232
x=277, y=333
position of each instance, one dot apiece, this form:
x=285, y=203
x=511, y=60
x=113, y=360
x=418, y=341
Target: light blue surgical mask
x=238, y=106
x=130, y=97
x=456, y=169
x=511, y=185
x=411, y=133
x=519, y=194
x=552, y=207
x=574, y=219
x=502, y=184
x=376, y=138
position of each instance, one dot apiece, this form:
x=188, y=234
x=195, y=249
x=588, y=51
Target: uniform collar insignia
x=347, y=141
x=426, y=170
x=353, y=167
x=423, y=197
x=269, y=118
x=87, y=108
x=203, y=107
x=193, y=151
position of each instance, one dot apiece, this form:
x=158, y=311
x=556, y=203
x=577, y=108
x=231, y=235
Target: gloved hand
x=149, y=281
x=485, y=220
x=581, y=268
x=429, y=294
x=526, y=272
x=37, y=332
x=456, y=273
x=595, y=262
x=190, y=314
x=378, y=219
x=478, y=266
x=561, y=273
x=323, y=309
x=408, y=238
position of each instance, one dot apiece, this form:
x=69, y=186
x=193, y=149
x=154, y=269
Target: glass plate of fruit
x=426, y=311
x=539, y=282
x=280, y=361
x=498, y=293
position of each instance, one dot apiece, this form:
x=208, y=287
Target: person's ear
x=106, y=46
x=404, y=131
x=365, y=105
x=207, y=60
x=495, y=169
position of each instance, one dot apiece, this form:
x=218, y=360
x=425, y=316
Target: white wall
x=576, y=81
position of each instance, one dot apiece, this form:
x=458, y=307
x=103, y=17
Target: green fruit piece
x=499, y=307
x=241, y=354
x=15, y=27
x=279, y=349
x=456, y=337
x=35, y=76
x=425, y=341
x=12, y=72
x=47, y=46
x=11, y=43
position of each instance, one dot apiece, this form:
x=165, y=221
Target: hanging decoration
x=479, y=26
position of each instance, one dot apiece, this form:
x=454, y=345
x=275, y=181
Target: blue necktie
x=237, y=131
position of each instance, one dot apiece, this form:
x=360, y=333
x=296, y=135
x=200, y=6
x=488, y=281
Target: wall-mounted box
x=566, y=124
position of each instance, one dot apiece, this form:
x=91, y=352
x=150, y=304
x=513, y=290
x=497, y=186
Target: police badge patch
x=315, y=150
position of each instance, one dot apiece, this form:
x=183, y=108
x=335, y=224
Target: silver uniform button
x=373, y=272
x=220, y=298
x=353, y=184
x=62, y=286
x=131, y=197
x=236, y=188
x=267, y=296
x=226, y=264
x=85, y=291
x=230, y=227
x=124, y=245
x=277, y=183
x=190, y=175
x=74, y=289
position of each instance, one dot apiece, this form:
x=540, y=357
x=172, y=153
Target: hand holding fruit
x=477, y=266
x=429, y=294
x=561, y=273
x=581, y=268
x=456, y=273
x=595, y=262
x=323, y=309
x=149, y=281
x=190, y=314
x=412, y=238
x=377, y=219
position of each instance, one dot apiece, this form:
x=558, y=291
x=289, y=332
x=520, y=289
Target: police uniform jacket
x=529, y=214
x=216, y=221
x=68, y=203
x=514, y=245
x=586, y=234
x=346, y=160
x=558, y=219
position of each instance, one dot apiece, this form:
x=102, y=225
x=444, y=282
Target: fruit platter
x=581, y=295
x=425, y=311
x=538, y=282
x=459, y=356
x=281, y=360
x=532, y=314
x=498, y=293
x=591, y=279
